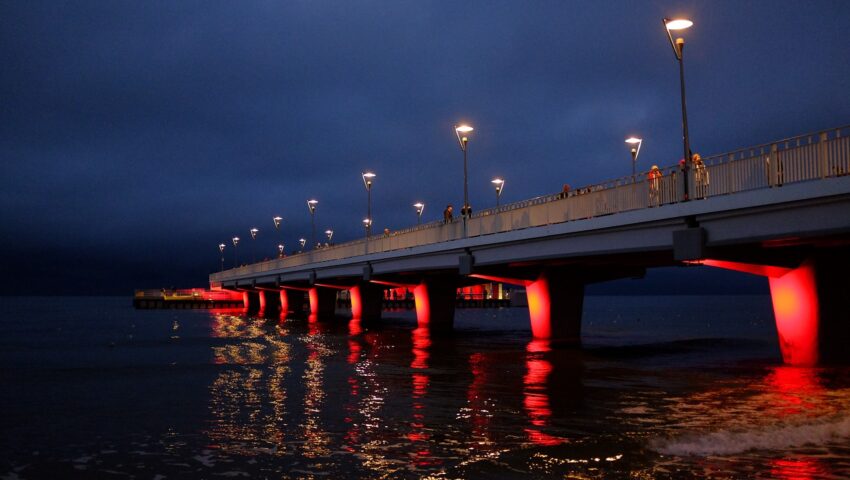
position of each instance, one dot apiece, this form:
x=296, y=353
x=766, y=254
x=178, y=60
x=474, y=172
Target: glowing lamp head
x=367, y=222
x=235, y=241
x=678, y=24
x=277, y=221
x=499, y=184
x=462, y=132
x=419, y=206
x=302, y=241
x=311, y=204
x=330, y=234
x=280, y=248
x=254, y=232
x=221, y=247
x=367, y=179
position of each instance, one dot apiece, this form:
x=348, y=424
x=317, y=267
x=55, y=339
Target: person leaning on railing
x=700, y=176
x=654, y=179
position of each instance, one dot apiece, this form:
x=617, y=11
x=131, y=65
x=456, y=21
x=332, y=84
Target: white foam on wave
x=728, y=442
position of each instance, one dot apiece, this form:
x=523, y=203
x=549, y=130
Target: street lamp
x=311, y=205
x=678, y=49
x=634, y=147
x=420, y=207
x=367, y=180
x=462, y=132
x=280, y=250
x=277, y=221
x=254, y=232
x=302, y=241
x=221, y=250
x=330, y=234
x=235, y=252
x=500, y=185
x=367, y=224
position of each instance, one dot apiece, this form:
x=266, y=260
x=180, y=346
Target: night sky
x=137, y=136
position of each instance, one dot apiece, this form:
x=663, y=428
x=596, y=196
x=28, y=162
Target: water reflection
x=344, y=399
x=536, y=395
x=418, y=435
x=252, y=378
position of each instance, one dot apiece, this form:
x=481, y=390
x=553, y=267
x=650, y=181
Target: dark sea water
x=663, y=387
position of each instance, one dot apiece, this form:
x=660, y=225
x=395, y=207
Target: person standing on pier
x=654, y=178
x=448, y=216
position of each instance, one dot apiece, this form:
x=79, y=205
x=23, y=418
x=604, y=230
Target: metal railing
x=798, y=159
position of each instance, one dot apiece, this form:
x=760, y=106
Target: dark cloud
x=137, y=136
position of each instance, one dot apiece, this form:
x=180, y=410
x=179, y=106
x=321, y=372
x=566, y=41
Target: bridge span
x=781, y=210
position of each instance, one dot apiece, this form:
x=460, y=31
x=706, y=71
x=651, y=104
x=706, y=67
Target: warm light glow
x=277, y=221
x=280, y=248
x=367, y=179
x=633, y=140
x=679, y=24
x=356, y=302
x=302, y=241
x=311, y=204
x=423, y=305
x=367, y=222
x=330, y=234
x=464, y=129
x=795, y=306
x=254, y=232
x=539, y=307
x=497, y=181
x=221, y=247
x=235, y=241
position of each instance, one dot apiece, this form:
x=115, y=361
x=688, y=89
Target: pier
x=780, y=210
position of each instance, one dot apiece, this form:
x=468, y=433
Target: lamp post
x=277, y=221
x=634, y=147
x=462, y=132
x=221, y=250
x=311, y=205
x=302, y=241
x=678, y=49
x=367, y=224
x=420, y=207
x=330, y=235
x=500, y=185
x=367, y=181
x=280, y=250
x=235, y=252
x=254, y=232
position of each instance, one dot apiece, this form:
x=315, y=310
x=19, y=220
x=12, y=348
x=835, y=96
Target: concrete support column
x=269, y=300
x=250, y=300
x=322, y=302
x=262, y=300
x=435, y=303
x=292, y=301
x=367, y=301
x=555, y=302
x=810, y=308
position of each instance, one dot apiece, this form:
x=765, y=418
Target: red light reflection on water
x=421, y=342
x=796, y=388
x=797, y=469
x=536, y=395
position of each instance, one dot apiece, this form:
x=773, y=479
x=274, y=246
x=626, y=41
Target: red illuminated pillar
x=322, y=302
x=250, y=299
x=262, y=298
x=366, y=301
x=809, y=305
x=555, y=302
x=292, y=300
x=435, y=303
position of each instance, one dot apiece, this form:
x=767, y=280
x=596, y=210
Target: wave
x=728, y=442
